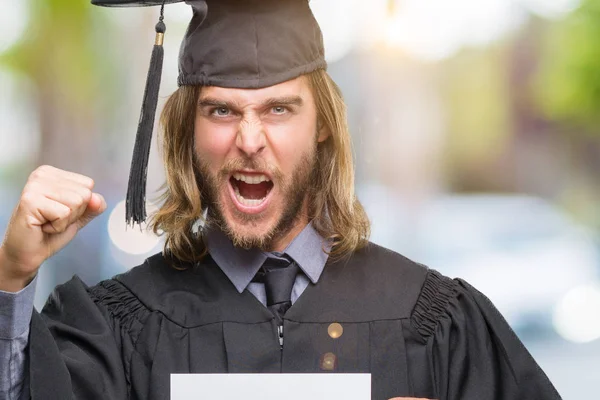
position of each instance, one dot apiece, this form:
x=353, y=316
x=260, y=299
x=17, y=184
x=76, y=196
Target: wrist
x=13, y=277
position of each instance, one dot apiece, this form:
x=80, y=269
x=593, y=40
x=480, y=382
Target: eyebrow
x=284, y=101
x=212, y=102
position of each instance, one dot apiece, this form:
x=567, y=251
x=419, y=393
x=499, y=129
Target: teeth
x=252, y=179
x=247, y=202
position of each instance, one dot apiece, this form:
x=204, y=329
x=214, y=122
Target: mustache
x=254, y=164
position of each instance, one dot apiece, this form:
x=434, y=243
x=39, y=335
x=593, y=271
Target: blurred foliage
x=568, y=84
x=66, y=56
x=475, y=85
x=62, y=48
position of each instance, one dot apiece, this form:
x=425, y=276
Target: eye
x=279, y=110
x=221, y=111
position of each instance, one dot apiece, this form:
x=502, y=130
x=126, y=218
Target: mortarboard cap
x=246, y=44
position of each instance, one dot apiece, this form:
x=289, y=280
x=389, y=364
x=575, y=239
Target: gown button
x=335, y=330
x=328, y=362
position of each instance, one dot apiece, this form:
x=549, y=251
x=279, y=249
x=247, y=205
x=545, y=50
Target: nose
x=251, y=137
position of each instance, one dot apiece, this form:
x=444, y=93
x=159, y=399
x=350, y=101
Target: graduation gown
x=417, y=332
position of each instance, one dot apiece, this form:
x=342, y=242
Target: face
x=256, y=154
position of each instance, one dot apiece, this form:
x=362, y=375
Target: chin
x=248, y=231
x=250, y=238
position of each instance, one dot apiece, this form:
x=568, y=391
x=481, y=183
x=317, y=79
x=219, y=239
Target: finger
x=57, y=242
x=36, y=209
x=73, y=178
x=75, y=197
x=54, y=216
x=96, y=206
x=47, y=172
x=83, y=180
x=37, y=203
x=58, y=190
x=76, y=206
x=56, y=227
x=71, y=194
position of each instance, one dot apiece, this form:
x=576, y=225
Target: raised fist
x=53, y=206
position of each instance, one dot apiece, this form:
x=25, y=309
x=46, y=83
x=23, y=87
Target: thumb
x=96, y=206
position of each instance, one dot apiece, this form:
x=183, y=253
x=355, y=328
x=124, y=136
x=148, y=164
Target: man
x=255, y=139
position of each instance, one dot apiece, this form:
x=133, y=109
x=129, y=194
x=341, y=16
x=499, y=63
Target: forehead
x=295, y=87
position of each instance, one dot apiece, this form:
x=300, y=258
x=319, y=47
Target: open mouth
x=250, y=189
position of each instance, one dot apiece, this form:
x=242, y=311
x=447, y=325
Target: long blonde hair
x=335, y=211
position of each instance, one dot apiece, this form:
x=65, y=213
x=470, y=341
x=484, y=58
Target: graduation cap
x=247, y=44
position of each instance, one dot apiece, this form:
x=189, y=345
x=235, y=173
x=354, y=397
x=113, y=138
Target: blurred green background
x=476, y=128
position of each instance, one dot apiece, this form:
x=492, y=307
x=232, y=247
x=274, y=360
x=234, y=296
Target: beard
x=295, y=192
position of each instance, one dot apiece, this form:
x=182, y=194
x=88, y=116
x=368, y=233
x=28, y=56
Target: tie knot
x=278, y=274
x=277, y=260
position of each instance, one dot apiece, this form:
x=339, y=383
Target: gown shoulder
x=473, y=351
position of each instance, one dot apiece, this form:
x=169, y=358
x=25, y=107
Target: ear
x=323, y=131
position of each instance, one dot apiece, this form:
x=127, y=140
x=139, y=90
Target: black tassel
x=135, y=207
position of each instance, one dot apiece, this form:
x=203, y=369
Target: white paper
x=270, y=386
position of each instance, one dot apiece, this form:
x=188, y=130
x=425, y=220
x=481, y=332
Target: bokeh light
x=551, y=8
x=435, y=29
x=339, y=28
x=577, y=314
x=131, y=240
x=13, y=21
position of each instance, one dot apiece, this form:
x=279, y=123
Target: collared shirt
x=308, y=249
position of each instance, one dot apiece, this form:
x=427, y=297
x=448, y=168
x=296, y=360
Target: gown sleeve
x=79, y=342
x=472, y=351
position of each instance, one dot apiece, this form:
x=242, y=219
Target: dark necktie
x=278, y=275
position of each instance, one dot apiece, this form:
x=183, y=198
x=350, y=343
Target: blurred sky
x=431, y=29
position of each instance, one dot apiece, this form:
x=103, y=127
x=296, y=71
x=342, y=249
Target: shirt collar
x=309, y=250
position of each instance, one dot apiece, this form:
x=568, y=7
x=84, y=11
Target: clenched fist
x=54, y=205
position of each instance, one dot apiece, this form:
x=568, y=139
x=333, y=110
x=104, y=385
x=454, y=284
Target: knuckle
x=89, y=182
x=45, y=169
x=28, y=197
x=86, y=194
x=31, y=187
x=66, y=213
x=72, y=200
x=30, y=220
x=36, y=174
x=79, y=200
x=40, y=172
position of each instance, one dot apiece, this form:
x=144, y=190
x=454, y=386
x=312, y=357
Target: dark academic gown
x=417, y=332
